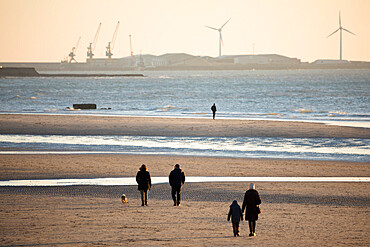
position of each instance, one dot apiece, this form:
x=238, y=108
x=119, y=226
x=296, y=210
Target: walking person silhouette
x=213, y=108
x=144, y=182
x=176, y=179
x=250, y=204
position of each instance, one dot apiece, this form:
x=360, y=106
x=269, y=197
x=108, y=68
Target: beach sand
x=293, y=214
x=156, y=126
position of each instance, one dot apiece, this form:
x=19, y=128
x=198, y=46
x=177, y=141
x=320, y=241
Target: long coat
x=235, y=212
x=251, y=201
x=143, y=180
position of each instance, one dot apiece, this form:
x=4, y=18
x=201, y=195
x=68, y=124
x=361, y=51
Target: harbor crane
x=110, y=46
x=91, y=47
x=72, y=54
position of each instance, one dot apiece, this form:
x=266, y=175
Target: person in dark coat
x=176, y=179
x=250, y=204
x=144, y=184
x=213, y=108
x=236, y=214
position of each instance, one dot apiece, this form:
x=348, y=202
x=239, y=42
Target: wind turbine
x=340, y=41
x=220, y=38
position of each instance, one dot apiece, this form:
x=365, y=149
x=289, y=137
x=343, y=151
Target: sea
x=334, y=97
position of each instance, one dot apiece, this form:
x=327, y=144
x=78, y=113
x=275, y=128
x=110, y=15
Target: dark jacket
x=143, y=180
x=235, y=212
x=213, y=108
x=251, y=201
x=177, y=177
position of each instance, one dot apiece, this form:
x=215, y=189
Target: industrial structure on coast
x=183, y=61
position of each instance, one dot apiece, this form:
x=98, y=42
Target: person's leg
x=237, y=228
x=142, y=197
x=178, y=195
x=146, y=197
x=250, y=228
x=254, y=226
x=234, y=228
x=173, y=193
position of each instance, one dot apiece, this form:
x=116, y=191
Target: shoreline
x=45, y=124
x=130, y=181
x=365, y=124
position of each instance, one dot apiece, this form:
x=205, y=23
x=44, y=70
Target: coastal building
x=183, y=61
x=265, y=59
x=330, y=61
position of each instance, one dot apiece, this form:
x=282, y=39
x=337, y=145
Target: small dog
x=124, y=198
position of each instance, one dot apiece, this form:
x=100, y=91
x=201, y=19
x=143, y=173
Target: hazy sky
x=46, y=30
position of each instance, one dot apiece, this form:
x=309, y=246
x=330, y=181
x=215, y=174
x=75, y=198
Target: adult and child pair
x=251, y=204
x=176, y=180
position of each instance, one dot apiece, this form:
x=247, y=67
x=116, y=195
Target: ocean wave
x=167, y=108
x=306, y=148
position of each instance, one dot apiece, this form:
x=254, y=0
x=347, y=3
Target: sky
x=46, y=30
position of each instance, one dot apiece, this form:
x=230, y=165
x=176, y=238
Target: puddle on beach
x=162, y=180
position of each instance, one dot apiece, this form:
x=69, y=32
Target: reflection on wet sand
x=162, y=180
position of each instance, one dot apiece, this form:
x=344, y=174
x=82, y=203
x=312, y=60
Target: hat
x=252, y=186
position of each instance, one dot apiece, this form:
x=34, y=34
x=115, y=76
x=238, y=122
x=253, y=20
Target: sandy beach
x=157, y=126
x=293, y=214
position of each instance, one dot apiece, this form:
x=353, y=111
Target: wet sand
x=156, y=126
x=293, y=214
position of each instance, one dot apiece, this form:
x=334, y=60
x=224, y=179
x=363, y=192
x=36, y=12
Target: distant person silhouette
x=176, y=179
x=236, y=214
x=251, y=201
x=144, y=184
x=213, y=108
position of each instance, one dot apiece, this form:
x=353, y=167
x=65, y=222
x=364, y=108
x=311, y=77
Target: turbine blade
x=212, y=28
x=348, y=31
x=225, y=23
x=340, y=22
x=333, y=33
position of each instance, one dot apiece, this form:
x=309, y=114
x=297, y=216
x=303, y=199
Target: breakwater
x=31, y=72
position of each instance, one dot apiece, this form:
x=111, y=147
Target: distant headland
x=183, y=61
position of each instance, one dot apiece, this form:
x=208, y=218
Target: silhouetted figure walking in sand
x=236, y=214
x=213, y=108
x=144, y=184
x=176, y=179
x=251, y=201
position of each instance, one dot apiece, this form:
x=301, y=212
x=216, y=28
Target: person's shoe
x=175, y=204
x=142, y=205
x=146, y=204
x=237, y=234
x=178, y=204
x=254, y=234
x=251, y=234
